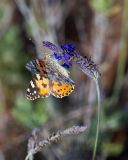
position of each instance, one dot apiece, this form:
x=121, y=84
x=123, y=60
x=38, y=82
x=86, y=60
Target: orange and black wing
x=60, y=90
x=38, y=88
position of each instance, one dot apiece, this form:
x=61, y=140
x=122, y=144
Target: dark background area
x=99, y=28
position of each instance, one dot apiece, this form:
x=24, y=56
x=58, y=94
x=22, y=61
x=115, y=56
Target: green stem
x=98, y=119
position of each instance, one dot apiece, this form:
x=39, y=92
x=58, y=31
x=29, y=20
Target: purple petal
x=57, y=56
x=68, y=48
x=51, y=46
x=66, y=56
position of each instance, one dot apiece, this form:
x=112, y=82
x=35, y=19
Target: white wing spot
x=28, y=89
x=32, y=84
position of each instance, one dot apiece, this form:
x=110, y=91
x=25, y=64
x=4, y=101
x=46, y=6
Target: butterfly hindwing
x=60, y=90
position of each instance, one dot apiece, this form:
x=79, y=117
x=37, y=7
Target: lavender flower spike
x=37, y=141
x=84, y=63
x=67, y=52
x=87, y=66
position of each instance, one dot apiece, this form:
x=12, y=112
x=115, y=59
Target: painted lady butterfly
x=49, y=77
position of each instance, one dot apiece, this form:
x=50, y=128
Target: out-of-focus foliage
x=11, y=58
x=113, y=149
x=30, y=115
x=101, y=5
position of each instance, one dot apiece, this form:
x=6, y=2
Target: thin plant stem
x=123, y=53
x=98, y=118
x=29, y=156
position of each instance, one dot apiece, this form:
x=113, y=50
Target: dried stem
x=37, y=142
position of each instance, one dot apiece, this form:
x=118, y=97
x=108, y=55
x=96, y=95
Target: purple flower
x=66, y=56
x=68, y=48
x=67, y=52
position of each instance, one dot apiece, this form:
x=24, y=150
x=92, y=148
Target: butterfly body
x=56, y=67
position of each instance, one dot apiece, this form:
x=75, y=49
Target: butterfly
x=49, y=77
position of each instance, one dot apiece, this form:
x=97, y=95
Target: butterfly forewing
x=32, y=91
x=38, y=88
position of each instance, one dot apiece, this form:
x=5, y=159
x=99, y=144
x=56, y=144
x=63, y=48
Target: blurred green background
x=99, y=28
